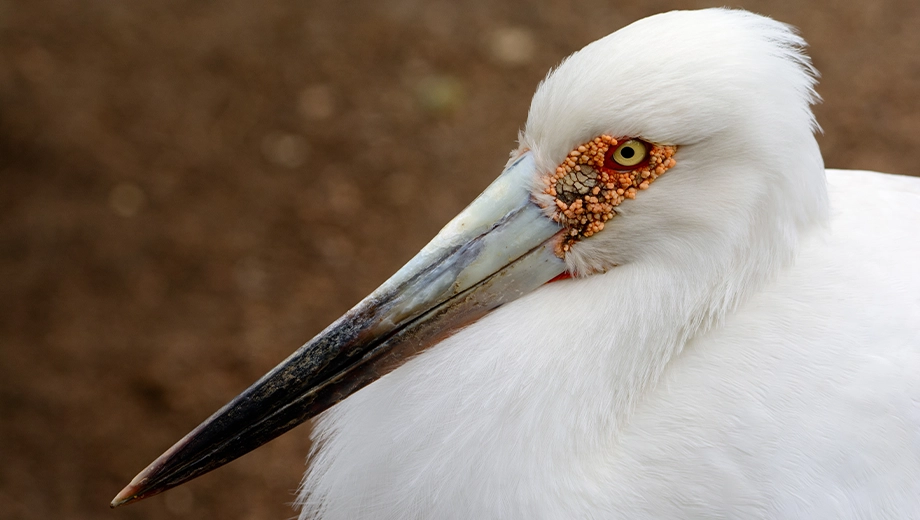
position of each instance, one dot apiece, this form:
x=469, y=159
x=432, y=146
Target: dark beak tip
x=131, y=493
x=138, y=489
x=125, y=496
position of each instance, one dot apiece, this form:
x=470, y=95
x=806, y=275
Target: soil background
x=190, y=190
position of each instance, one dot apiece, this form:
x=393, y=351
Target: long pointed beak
x=498, y=249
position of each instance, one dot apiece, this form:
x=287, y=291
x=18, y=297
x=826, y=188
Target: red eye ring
x=612, y=164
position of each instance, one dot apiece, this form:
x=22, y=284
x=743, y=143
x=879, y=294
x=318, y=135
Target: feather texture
x=743, y=341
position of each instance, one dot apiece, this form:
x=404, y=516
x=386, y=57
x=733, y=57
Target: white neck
x=510, y=416
x=515, y=416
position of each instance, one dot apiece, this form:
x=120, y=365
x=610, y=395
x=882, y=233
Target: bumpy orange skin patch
x=586, y=191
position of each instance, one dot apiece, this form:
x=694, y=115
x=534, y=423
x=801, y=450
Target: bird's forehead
x=577, y=103
x=675, y=78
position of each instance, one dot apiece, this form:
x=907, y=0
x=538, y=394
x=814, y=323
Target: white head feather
x=513, y=416
x=734, y=91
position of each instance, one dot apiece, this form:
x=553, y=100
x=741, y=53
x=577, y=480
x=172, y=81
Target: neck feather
x=523, y=401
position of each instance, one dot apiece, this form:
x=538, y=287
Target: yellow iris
x=630, y=153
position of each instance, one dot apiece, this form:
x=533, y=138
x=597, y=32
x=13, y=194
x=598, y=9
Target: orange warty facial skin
x=586, y=191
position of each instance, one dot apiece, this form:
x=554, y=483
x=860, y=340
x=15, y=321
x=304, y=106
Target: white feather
x=734, y=348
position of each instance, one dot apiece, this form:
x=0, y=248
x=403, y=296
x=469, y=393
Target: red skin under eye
x=564, y=276
x=613, y=165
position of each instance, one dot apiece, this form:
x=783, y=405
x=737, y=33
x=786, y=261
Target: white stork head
x=714, y=107
x=733, y=91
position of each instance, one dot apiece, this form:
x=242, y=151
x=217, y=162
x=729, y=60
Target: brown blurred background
x=190, y=190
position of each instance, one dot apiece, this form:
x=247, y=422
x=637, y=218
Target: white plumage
x=743, y=340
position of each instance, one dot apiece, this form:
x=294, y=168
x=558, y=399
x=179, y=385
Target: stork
x=731, y=331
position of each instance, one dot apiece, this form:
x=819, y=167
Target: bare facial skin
x=597, y=176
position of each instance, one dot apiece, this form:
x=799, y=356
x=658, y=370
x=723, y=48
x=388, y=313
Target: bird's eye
x=597, y=176
x=627, y=155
